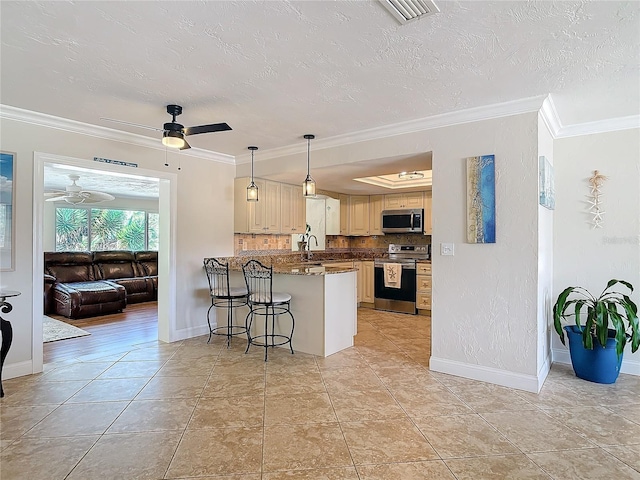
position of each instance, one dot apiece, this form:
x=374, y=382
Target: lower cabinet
x=423, y=286
x=367, y=282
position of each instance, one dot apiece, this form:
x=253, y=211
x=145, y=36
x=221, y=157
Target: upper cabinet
x=344, y=214
x=359, y=215
x=262, y=216
x=376, y=205
x=292, y=209
x=403, y=200
x=428, y=225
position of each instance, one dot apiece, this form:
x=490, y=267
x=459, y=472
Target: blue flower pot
x=600, y=365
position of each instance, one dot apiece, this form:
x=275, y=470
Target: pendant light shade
x=309, y=184
x=252, y=189
x=173, y=139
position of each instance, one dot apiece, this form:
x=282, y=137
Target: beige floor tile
x=360, y=378
x=388, y=441
x=238, y=369
x=346, y=358
x=143, y=369
x=629, y=454
x=484, y=397
x=628, y=411
x=154, y=415
x=41, y=393
x=232, y=385
x=294, y=383
x=431, y=470
x=346, y=473
x=186, y=368
x=302, y=408
x=599, y=425
x=463, y=436
x=148, y=354
x=78, y=419
x=109, y=390
x=586, y=464
x=15, y=420
x=173, y=387
x=386, y=361
x=430, y=401
x=497, y=468
x=534, y=431
x=199, y=354
x=217, y=412
x=217, y=451
x=355, y=406
x=135, y=455
x=4, y=443
x=43, y=458
x=552, y=396
x=314, y=446
x=76, y=371
x=416, y=376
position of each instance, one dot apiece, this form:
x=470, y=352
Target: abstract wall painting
x=7, y=170
x=545, y=183
x=481, y=199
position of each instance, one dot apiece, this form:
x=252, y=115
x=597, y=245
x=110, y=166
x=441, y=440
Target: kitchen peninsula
x=323, y=303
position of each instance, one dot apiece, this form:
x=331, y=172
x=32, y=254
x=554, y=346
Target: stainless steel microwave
x=408, y=220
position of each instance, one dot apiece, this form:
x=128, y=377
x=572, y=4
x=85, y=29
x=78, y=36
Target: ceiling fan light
x=173, y=139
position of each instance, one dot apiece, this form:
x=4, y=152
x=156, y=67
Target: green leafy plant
x=610, y=310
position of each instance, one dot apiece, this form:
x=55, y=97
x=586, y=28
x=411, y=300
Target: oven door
x=401, y=299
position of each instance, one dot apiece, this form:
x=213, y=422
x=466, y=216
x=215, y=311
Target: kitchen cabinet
x=395, y=201
x=358, y=215
x=262, y=216
x=358, y=267
x=344, y=214
x=428, y=225
x=365, y=282
x=376, y=205
x=423, y=286
x=292, y=209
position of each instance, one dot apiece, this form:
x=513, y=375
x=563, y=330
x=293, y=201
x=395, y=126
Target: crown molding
x=487, y=112
x=59, y=123
x=558, y=130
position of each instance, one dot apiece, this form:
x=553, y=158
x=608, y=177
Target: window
x=81, y=229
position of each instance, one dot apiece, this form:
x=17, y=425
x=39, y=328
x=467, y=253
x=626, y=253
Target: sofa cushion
x=149, y=262
x=69, y=266
x=114, y=271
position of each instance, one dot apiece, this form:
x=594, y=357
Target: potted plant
x=596, y=346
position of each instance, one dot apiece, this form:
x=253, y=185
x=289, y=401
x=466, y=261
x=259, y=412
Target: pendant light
x=252, y=189
x=309, y=184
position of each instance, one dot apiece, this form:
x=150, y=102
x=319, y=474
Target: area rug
x=54, y=330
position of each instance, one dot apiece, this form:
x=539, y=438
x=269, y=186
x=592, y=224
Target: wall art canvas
x=545, y=183
x=7, y=170
x=481, y=199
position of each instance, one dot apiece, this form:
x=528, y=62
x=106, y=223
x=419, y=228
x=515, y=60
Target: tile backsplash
x=250, y=244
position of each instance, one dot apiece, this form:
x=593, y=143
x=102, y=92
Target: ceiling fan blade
x=132, y=124
x=92, y=196
x=186, y=145
x=214, y=127
x=56, y=199
x=55, y=193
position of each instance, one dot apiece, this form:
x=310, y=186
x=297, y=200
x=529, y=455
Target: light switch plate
x=446, y=249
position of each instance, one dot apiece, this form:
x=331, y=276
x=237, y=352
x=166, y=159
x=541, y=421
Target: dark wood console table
x=5, y=329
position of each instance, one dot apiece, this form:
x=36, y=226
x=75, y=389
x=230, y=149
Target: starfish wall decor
x=594, y=198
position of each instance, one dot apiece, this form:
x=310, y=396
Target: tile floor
x=193, y=410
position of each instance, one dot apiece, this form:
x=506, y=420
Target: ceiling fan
x=75, y=194
x=173, y=133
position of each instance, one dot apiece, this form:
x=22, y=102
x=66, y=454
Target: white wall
x=588, y=257
x=485, y=298
x=545, y=262
x=204, y=221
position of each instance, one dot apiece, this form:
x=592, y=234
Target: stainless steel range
x=395, y=277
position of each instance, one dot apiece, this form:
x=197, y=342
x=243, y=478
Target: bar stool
x=264, y=301
x=224, y=296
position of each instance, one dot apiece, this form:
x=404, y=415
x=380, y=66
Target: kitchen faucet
x=309, y=254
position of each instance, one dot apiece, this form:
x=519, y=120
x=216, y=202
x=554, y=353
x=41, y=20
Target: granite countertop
x=302, y=269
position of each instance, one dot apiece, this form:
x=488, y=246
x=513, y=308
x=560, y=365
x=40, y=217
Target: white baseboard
x=520, y=381
x=190, y=332
x=19, y=369
x=630, y=367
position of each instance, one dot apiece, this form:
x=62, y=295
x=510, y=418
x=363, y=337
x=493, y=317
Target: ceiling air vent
x=407, y=10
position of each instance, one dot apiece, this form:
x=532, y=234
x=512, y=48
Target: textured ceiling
x=275, y=70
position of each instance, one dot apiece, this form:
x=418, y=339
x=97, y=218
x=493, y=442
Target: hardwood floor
x=110, y=334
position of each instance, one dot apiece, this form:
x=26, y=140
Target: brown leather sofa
x=86, y=284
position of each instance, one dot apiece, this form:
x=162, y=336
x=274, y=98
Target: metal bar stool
x=224, y=296
x=264, y=301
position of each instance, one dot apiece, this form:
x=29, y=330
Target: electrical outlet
x=446, y=249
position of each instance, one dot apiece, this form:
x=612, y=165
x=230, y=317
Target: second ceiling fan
x=174, y=133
